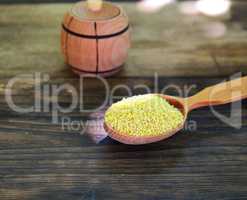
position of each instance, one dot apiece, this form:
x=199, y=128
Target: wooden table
x=39, y=160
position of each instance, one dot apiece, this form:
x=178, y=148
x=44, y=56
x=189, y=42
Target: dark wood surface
x=39, y=160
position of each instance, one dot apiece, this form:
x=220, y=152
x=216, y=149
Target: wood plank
x=40, y=161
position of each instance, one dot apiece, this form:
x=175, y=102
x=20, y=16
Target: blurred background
x=170, y=37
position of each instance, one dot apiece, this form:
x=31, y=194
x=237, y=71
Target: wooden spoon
x=222, y=93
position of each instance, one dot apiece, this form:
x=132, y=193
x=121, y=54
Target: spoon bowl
x=222, y=93
x=177, y=102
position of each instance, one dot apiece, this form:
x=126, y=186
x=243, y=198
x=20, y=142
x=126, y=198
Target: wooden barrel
x=95, y=42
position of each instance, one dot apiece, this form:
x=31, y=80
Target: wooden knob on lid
x=105, y=12
x=94, y=5
x=95, y=41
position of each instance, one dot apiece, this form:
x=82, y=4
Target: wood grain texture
x=38, y=160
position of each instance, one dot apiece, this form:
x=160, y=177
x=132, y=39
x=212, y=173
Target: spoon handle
x=222, y=93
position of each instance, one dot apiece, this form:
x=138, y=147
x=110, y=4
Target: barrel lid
x=108, y=11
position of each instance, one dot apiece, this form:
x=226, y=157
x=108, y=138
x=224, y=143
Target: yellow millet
x=143, y=115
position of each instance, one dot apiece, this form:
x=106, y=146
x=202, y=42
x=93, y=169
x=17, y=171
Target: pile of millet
x=143, y=115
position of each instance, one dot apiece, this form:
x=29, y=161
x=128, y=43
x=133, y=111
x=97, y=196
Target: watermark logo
x=46, y=98
x=227, y=92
